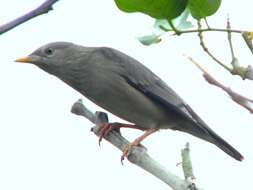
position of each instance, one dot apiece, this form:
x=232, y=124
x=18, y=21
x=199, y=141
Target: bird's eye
x=49, y=51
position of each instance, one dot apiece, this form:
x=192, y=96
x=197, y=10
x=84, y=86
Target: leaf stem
x=230, y=41
x=173, y=27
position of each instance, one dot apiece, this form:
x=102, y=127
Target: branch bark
x=42, y=9
x=137, y=155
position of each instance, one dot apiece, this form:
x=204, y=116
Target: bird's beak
x=27, y=59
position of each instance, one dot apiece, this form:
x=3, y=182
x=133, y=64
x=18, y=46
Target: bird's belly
x=131, y=105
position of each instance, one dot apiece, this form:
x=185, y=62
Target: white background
x=44, y=146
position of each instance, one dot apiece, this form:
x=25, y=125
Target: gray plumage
x=124, y=87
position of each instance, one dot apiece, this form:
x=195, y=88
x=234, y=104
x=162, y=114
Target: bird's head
x=55, y=57
x=64, y=60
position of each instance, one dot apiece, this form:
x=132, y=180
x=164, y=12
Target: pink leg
x=137, y=142
x=107, y=127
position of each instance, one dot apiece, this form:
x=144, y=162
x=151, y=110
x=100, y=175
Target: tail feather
x=223, y=145
x=201, y=130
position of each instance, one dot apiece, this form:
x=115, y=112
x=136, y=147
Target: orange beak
x=24, y=59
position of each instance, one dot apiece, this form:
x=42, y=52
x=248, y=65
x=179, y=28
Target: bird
x=126, y=88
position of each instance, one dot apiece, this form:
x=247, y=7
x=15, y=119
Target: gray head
x=65, y=60
x=55, y=56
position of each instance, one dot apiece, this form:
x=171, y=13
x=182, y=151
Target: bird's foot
x=128, y=148
x=103, y=131
x=105, y=128
x=136, y=142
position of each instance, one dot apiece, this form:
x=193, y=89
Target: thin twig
x=230, y=41
x=177, y=32
x=208, y=29
x=137, y=155
x=243, y=72
x=208, y=52
x=236, y=97
x=42, y=9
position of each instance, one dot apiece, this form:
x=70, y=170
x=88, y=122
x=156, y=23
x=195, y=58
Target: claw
x=127, y=149
x=103, y=131
x=136, y=142
x=125, y=153
x=105, y=128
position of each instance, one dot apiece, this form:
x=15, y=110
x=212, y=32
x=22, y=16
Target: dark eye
x=49, y=51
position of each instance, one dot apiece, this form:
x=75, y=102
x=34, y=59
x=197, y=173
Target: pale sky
x=44, y=146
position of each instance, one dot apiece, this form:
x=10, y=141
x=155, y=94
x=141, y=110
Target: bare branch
x=208, y=52
x=42, y=9
x=243, y=72
x=208, y=29
x=137, y=155
x=230, y=41
x=236, y=97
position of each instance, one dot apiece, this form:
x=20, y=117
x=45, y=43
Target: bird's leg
x=105, y=128
x=136, y=142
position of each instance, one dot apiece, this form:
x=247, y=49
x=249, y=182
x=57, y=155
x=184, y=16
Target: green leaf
x=149, y=39
x=159, y=9
x=203, y=8
x=161, y=26
x=180, y=23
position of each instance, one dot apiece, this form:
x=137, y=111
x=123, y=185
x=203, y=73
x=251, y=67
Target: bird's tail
x=201, y=130
x=223, y=145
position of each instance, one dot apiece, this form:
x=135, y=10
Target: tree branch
x=242, y=71
x=236, y=97
x=42, y=9
x=202, y=44
x=137, y=155
x=230, y=41
x=208, y=29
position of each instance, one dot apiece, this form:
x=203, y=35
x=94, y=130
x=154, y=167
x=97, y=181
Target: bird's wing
x=144, y=80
